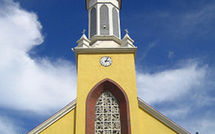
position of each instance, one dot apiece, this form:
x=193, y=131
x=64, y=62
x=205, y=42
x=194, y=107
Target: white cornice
x=87, y=2
x=103, y=3
x=104, y=50
x=105, y=38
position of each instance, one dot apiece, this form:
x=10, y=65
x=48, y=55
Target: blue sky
x=175, y=41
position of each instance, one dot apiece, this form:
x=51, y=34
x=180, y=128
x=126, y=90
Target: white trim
x=54, y=118
x=98, y=19
x=161, y=117
x=89, y=22
x=89, y=5
x=83, y=37
x=104, y=38
x=110, y=19
x=104, y=50
x=119, y=23
x=102, y=3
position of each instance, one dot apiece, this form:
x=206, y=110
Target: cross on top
x=84, y=30
x=126, y=31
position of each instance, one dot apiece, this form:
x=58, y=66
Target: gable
x=63, y=121
x=154, y=122
x=151, y=121
x=150, y=125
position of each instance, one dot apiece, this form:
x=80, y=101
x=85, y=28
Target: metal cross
x=84, y=30
x=126, y=31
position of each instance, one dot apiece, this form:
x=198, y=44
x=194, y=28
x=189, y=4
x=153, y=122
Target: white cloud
x=171, y=54
x=37, y=85
x=7, y=126
x=207, y=126
x=170, y=84
x=202, y=125
x=183, y=94
x=197, y=22
x=202, y=98
x=148, y=49
x=175, y=112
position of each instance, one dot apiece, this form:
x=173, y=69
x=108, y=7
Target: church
x=107, y=101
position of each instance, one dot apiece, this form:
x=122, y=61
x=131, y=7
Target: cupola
x=103, y=18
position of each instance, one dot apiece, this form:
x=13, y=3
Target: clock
x=106, y=61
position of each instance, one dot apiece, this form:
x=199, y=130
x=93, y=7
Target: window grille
x=107, y=115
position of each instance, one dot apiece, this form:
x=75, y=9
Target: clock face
x=106, y=61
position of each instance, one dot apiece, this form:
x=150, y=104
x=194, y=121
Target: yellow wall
x=150, y=125
x=90, y=72
x=64, y=125
x=122, y=71
x=147, y=125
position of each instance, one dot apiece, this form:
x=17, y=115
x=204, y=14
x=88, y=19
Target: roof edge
x=54, y=118
x=146, y=107
x=161, y=117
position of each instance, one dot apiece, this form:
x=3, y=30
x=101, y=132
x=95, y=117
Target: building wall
x=90, y=72
x=65, y=125
x=150, y=125
x=122, y=71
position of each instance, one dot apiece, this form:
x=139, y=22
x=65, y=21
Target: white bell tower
x=104, y=27
x=104, y=18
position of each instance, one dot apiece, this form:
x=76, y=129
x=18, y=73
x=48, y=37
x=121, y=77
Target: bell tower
x=107, y=101
x=106, y=82
x=103, y=17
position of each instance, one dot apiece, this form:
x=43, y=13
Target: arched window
x=107, y=109
x=115, y=22
x=93, y=22
x=104, y=20
x=107, y=115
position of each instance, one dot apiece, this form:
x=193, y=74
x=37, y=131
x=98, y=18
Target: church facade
x=107, y=101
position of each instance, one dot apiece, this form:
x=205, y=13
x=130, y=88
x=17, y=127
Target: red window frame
x=121, y=97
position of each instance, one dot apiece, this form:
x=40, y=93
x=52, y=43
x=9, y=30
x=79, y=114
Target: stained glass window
x=107, y=115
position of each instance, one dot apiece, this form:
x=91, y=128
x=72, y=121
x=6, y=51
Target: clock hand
x=106, y=59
